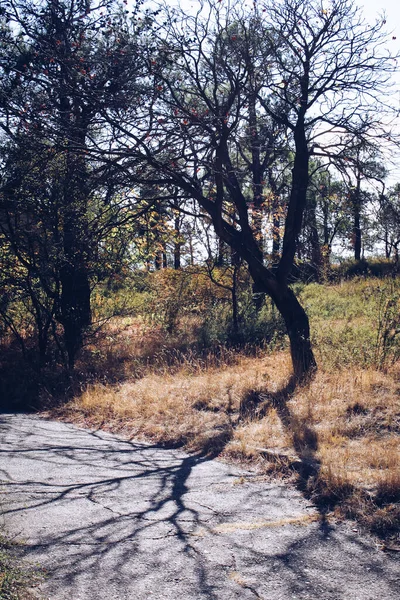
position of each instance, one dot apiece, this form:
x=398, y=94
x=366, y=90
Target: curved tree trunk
x=295, y=317
x=298, y=329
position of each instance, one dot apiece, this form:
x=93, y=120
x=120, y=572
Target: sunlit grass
x=346, y=421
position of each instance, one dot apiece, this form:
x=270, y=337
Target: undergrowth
x=168, y=367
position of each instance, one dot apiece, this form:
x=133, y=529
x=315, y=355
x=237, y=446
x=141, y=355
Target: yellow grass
x=347, y=422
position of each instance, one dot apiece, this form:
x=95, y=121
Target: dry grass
x=339, y=435
x=345, y=424
x=193, y=406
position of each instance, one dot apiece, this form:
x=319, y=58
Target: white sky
x=372, y=8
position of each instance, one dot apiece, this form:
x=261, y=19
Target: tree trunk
x=315, y=244
x=75, y=307
x=177, y=256
x=235, y=306
x=294, y=315
x=297, y=202
x=276, y=235
x=388, y=249
x=158, y=260
x=274, y=281
x=298, y=329
x=177, y=243
x=75, y=286
x=396, y=253
x=357, y=236
x=74, y=276
x=221, y=256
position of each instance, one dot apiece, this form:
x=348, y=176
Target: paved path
x=114, y=520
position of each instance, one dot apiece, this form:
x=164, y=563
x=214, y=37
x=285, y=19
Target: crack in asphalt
x=91, y=498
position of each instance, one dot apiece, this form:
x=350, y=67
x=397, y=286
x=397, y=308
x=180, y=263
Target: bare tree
x=229, y=87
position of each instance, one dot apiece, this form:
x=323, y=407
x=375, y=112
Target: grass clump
x=16, y=581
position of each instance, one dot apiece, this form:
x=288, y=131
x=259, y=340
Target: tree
x=360, y=164
x=388, y=221
x=327, y=218
x=225, y=77
x=332, y=213
x=30, y=239
x=62, y=62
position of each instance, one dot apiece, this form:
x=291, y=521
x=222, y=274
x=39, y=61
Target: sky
x=372, y=9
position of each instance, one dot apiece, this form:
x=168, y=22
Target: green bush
x=373, y=267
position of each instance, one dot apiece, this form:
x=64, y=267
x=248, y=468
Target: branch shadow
x=303, y=436
x=140, y=519
x=157, y=515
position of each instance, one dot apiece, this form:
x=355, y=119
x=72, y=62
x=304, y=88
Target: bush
x=373, y=267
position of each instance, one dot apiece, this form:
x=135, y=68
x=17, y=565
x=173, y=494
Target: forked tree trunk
x=244, y=242
x=275, y=283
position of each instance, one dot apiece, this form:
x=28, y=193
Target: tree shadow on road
x=156, y=523
x=147, y=519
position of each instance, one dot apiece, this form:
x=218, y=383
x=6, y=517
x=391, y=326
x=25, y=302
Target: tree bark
x=177, y=243
x=296, y=321
x=158, y=260
x=276, y=234
x=74, y=275
x=297, y=201
x=75, y=307
x=298, y=329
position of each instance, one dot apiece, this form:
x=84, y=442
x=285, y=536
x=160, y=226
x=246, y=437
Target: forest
x=200, y=232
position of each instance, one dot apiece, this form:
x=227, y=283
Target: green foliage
x=373, y=267
x=354, y=323
x=387, y=345
x=187, y=304
x=124, y=301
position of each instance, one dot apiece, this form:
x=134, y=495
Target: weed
x=16, y=581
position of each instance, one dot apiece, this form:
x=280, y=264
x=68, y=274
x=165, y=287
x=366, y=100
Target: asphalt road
x=109, y=519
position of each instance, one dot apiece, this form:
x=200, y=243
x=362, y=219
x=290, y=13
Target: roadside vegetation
x=17, y=582
x=175, y=190
x=167, y=367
